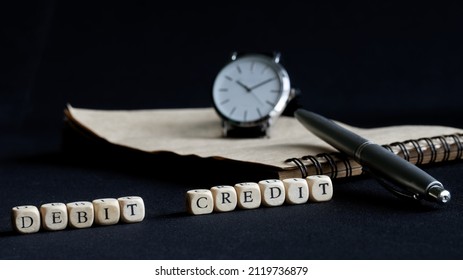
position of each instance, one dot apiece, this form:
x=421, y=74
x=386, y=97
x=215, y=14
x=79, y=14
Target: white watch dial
x=249, y=89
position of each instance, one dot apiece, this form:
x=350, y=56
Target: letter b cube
x=80, y=214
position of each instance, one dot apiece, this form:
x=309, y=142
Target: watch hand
x=244, y=86
x=262, y=83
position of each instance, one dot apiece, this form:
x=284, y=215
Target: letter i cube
x=132, y=209
x=107, y=211
x=272, y=191
x=320, y=188
x=26, y=219
x=199, y=201
x=54, y=216
x=297, y=190
x=81, y=214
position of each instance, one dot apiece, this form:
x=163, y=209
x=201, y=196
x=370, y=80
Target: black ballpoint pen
x=376, y=158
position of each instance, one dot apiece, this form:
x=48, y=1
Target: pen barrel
x=396, y=169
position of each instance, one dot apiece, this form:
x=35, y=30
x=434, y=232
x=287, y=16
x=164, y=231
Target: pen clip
x=390, y=187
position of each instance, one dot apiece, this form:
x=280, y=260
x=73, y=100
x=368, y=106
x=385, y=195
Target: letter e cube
x=54, y=216
x=248, y=195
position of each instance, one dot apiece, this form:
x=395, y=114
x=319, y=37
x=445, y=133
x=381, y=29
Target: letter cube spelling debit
x=25, y=219
x=54, y=216
x=80, y=214
x=107, y=211
x=320, y=188
x=199, y=201
x=248, y=195
x=224, y=198
x=132, y=209
x=272, y=192
x=297, y=190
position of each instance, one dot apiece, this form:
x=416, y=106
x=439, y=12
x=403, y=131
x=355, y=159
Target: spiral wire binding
x=330, y=158
x=316, y=163
x=458, y=143
x=446, y=146
x=418, y=150
x=300, y=165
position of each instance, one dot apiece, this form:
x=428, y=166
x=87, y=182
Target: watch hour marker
x=238, y=68
x=225, y=101
x=228, y=78
x=259, y=113
x=274, y=90
x=252, y=66
x=223, y=89
x=245, y=115
x=270, y=103
x=263, y=70
x=232, y=111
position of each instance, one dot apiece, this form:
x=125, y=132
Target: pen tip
x=440, y=194
x=444, y=196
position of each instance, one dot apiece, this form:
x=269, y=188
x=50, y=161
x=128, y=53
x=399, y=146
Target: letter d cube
x=272, y=191
x=26, y=219
x=199, y=201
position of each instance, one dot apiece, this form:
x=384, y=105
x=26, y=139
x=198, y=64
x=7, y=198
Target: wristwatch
x=250, y=93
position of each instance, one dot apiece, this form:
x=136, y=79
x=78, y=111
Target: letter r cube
x=224, y=198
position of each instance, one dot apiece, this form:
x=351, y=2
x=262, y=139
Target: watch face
x=251, y=89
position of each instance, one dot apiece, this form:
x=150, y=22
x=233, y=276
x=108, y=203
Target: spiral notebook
x=290, y=151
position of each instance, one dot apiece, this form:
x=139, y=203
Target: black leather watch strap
x=246, y=132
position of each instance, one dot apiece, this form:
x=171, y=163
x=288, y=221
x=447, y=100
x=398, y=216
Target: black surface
x=364, y=64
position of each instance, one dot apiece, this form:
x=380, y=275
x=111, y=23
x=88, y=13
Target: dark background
x=367, y=64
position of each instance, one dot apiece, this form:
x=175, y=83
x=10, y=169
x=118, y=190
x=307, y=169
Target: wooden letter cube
x=132, y=209
x=272, y=192
x=248, y=195
x=224, y=198
x=320, y=188
x=26, y=219
x=297, y=190
x=54, y=216
x=80, y=214
x=199, y=201
x=107, y=211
